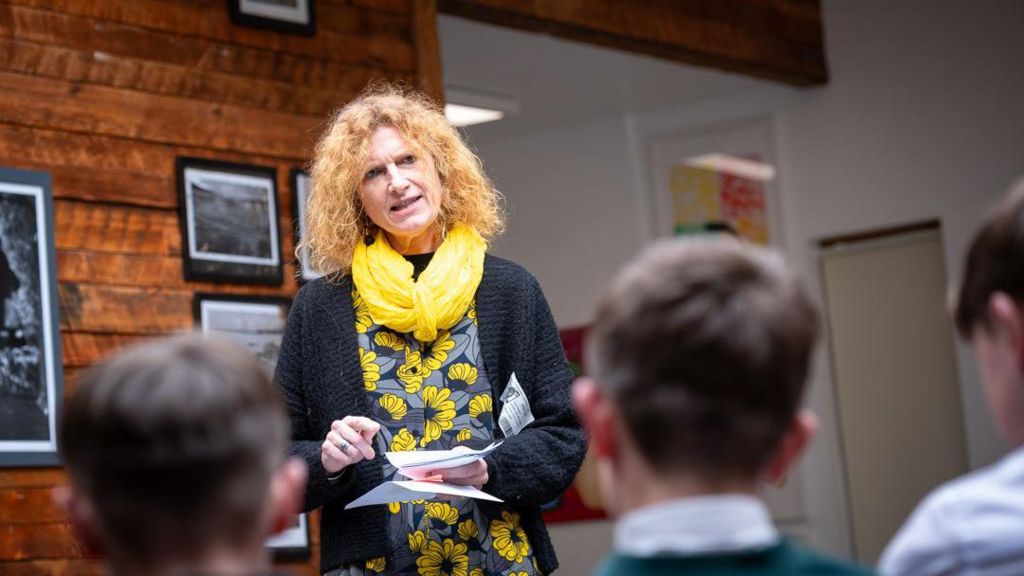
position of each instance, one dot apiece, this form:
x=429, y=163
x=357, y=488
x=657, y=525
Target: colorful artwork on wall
x=707, y=200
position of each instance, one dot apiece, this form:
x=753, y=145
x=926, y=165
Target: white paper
x=416, y=464
x=515, y=408
x=408, y=490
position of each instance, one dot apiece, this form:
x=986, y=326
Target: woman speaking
x=417, y=339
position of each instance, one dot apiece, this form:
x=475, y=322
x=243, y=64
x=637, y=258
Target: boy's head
x=697, y=362
x=175, y=451
x=989, y=310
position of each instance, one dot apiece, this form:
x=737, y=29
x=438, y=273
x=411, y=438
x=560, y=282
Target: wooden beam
x=429, y=77
x=780, y=40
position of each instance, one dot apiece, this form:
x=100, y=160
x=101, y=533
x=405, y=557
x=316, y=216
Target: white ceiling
x=556, y=81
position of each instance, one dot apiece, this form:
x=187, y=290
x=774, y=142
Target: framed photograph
x=258, y=323
x=292, y=16
x=229, y=230
x=300, y=188
x=31, y=378
x=292, y=543
x=255, y=321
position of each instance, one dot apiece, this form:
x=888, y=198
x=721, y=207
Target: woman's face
x=401, y=192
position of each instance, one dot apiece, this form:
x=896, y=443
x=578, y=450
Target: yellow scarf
x=437, y=300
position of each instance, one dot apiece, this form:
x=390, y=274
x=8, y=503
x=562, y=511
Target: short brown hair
x=335, y=218
x=174, y=442
x=705, y=347
x=995, y=263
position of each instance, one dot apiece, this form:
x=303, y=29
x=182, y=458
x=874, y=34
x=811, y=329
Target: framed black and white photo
x=300, y=196
x=31, y=378
x=292, y=543
x=293, y=16
x=229, y=222
x=255, y=321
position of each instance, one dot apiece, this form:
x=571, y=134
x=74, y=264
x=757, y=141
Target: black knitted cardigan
x=319, y=374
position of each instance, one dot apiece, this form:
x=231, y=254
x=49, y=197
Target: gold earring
x=368, y=237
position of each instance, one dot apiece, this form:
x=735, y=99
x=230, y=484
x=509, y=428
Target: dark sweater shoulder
x=323, y=288
x=505, y=281
x=501, y=269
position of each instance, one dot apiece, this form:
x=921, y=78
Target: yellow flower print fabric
x=444, y=559
x=509, y=537
x=435, y=396
x=371, y=372
x=395, y=406
x=438, y=413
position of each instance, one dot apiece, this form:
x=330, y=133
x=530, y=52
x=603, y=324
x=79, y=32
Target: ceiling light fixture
x=734, y=165
x=467, y=107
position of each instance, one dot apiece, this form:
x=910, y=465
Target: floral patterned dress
x=435, y=396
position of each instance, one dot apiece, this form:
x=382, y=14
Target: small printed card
x=515, y=409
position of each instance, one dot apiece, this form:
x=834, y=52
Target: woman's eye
x=407, y=159
x=372, y=173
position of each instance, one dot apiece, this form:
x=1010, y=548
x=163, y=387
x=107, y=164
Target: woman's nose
x=396, y=180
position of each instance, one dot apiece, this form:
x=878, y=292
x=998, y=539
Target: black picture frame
x=229, y=222
x=257, y=322
x=289, y=16
x=300, y=195
x=237, y=317
x=31, y=372
x=292, y=543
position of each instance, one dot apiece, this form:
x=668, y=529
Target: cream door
x=898, y=397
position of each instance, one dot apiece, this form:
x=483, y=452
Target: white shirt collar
x=696, y=525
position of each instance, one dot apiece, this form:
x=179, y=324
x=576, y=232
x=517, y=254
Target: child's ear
x=596, y=416
x=799, y=435
x=287, y=493
x=1005, y=314
x=82, y=517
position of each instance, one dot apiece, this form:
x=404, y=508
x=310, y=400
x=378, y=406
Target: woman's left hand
x=474, y=474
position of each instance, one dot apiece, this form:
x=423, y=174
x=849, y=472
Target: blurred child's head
x=989, y=310
x=176, y=450
x=697, y=363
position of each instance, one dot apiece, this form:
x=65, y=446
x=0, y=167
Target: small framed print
x=292, y=16
x=31, y=378
x=300, y=196
x=292, y=543
x=257, y=322
x=229, y=222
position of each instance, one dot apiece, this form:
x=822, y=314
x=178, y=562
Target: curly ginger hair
x=335, y=219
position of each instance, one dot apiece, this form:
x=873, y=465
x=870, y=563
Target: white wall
x=923, y=118
x=573, y=216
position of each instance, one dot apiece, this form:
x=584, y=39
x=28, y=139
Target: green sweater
x=783, y=559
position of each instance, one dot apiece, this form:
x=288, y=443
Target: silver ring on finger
x=343, y=446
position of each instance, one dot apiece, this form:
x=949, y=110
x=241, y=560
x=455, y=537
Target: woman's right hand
x=349, y=441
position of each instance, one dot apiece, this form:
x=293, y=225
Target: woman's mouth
x=405, y=204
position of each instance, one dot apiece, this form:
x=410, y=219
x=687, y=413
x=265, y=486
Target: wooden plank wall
x=104, y=94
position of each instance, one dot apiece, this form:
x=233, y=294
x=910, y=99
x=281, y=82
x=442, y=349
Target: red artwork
x=581, y=501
